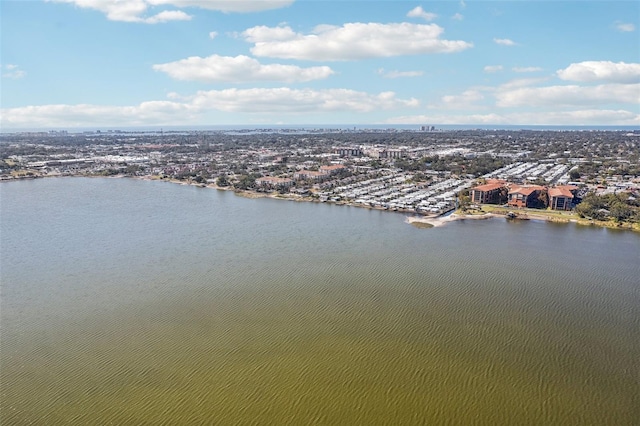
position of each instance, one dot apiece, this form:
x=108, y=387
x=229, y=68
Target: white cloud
x=493, y=68
x=128, y=11
x=351, y=41
x=579, y=117
x=190, y=109
x=419, y=12
x=134, y=10
x=566, y=118
x=463, y=5
x=166, y=16
x=458, y=17
x=154, y=112
x=13, y=71
x=288, y=100
x=213, y=34
x=571, y=95
x=238, y=69
x=526, y=69
x=589, y=71
x=264, y=34
x=16, y=75
x=625, y=27
x=462, y=101
x=504, y=41
x=599, y=104
x=228, y=6
x=399, y=74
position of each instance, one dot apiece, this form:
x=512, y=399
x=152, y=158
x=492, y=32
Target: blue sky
x=119, y=63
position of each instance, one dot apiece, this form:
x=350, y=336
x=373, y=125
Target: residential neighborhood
x=424, y=172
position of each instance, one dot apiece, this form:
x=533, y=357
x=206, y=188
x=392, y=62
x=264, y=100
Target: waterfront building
x=561, y=197
x=524, y=196
x=488, y=193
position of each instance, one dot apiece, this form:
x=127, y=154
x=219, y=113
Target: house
x=487, y=193
x=524, y=195
x=561, y=197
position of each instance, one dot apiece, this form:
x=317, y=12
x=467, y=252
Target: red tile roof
x=560, y=191
x=568, y=187
x=488, y=187
x=525, y=190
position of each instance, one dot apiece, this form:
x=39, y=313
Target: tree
x=574, y=175
x=615, y=206
x=464, y=200
x=245, y=182
x=503, y=195
x=543, y=199
x=620, y=211
x=585, y=209
x=421, y=177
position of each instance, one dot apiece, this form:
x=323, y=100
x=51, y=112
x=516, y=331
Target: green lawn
x=491, y=208
x=555, y=216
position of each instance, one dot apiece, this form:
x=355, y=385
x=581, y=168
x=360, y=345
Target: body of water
x=135, y=302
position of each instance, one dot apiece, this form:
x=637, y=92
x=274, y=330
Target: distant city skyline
x=138, y=63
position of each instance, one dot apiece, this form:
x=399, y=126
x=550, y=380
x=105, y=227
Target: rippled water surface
x=133, y=302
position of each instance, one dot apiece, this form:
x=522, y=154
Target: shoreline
x=433, y=222
x=427, y=221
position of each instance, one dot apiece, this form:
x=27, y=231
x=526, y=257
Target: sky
x=131, y=63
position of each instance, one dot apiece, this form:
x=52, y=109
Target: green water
x=129, y=302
